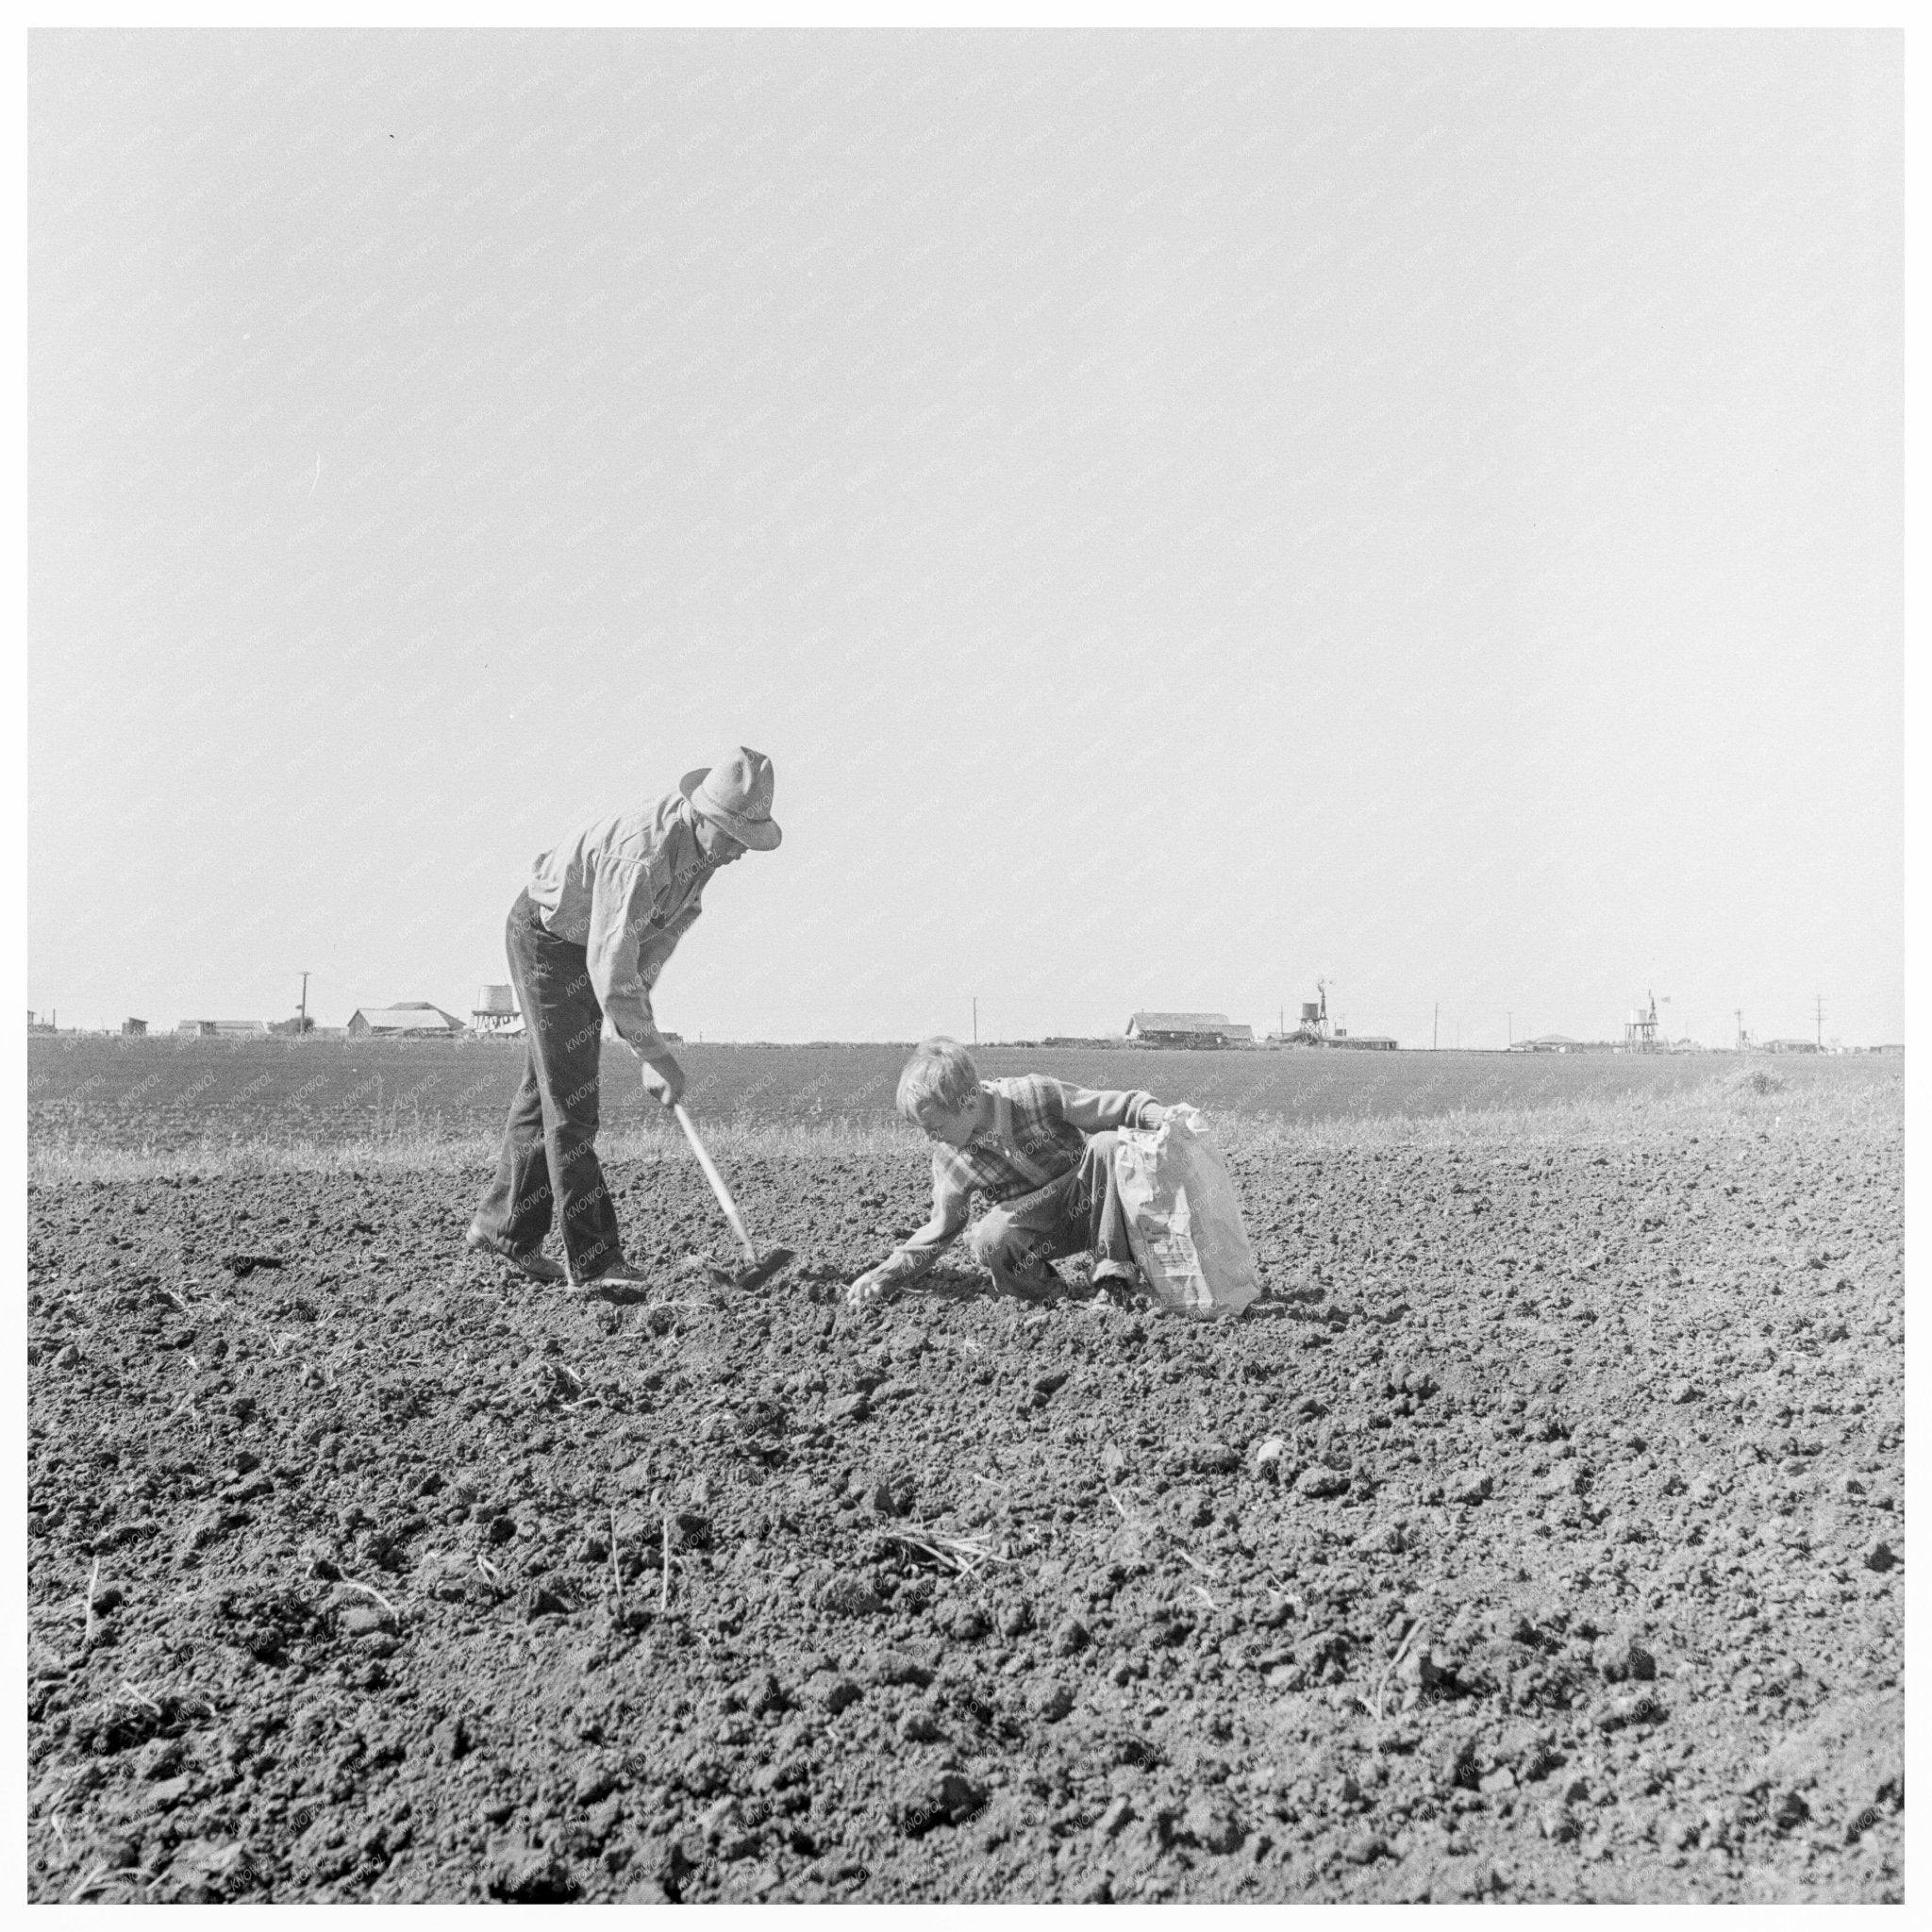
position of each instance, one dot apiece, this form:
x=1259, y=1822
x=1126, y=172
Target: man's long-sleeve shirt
x=1039, y=1128
x=627, y=890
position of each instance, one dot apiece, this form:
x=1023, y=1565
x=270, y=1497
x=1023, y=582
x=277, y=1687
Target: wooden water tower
x=1640, y=1029
x=496, y=1010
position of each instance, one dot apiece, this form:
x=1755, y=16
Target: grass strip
x=1731, y=1108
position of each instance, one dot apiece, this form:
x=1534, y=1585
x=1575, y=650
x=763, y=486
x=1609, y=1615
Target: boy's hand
x=665, y=1080
x=1152, y=1115
x=866, y=1290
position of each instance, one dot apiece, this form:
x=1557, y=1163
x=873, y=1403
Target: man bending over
x=586, y=939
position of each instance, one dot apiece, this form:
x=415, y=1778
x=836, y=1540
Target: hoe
x=758, y=1269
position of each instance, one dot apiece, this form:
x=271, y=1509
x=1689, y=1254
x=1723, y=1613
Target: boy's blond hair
x=941, y=1073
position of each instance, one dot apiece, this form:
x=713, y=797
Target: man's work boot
x=617, y=1280
x=527, y=1261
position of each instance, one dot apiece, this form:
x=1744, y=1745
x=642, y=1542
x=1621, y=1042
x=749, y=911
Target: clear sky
x=1183, y=514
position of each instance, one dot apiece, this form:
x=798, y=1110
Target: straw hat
x=735, y=793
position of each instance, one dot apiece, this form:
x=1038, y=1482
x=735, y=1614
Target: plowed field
x=1540, y=1535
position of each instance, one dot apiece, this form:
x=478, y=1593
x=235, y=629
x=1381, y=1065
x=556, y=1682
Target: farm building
x=408, y=1018
x=223, y=1030
x=134, y=1028
x=1364, y=1042
x=1790, y=1046
x=1188, y=1030
x=1547, y=1042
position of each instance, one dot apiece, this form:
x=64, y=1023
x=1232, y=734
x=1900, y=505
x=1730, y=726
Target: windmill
x=1315, y=1029
x=1640, y=1029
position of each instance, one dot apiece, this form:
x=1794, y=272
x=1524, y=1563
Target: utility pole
x=301, y=1012
x=1821, y=1022
x=1739, y=1012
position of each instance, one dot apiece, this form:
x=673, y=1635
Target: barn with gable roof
x=1188, y=1030
x=407, y=1020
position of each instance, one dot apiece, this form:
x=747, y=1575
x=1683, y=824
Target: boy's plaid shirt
x=1040, y=1128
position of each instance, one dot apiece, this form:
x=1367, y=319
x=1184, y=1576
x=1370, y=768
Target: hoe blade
x=752, y=1273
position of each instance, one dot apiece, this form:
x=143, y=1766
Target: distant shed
x=408, y=1020
x=1198, y=1030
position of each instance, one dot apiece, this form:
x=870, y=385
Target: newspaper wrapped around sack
x=1183, y=1218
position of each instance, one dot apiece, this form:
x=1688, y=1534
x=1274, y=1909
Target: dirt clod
x=528, y=1877
x=851, y=1596
x=927, y=1799
x=1050, y=1699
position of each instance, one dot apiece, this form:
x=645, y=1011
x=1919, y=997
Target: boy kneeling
x=1041, y=1153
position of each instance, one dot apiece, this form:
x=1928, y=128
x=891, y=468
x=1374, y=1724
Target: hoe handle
x=717, y=1181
